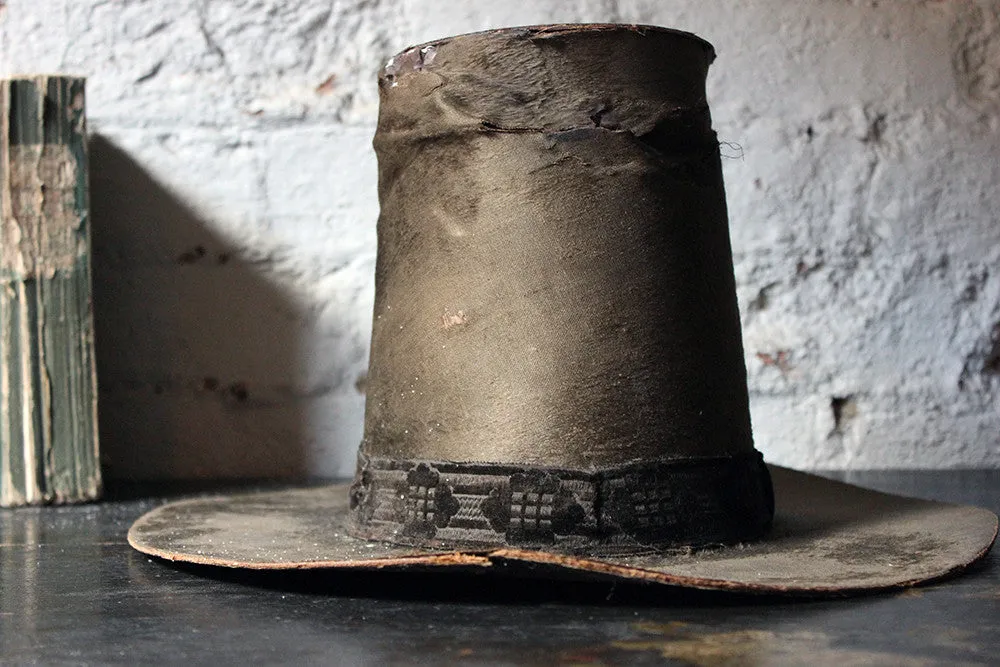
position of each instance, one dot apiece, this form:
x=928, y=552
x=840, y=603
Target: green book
x=48, y=389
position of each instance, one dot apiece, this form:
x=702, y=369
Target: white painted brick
x=236, y=230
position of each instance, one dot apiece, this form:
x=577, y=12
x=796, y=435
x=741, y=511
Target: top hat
x=556, y=369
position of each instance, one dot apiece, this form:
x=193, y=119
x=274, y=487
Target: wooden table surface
x=73, y=592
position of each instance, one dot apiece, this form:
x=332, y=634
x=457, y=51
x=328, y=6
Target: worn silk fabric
x=554, y=283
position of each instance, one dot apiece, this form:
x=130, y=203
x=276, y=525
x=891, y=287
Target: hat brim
x=828, y=538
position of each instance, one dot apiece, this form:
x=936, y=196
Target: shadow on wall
x=197, y=353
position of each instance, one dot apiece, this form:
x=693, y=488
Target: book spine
x=48, y=389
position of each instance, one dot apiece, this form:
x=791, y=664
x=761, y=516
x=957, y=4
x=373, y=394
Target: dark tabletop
x=73, y=592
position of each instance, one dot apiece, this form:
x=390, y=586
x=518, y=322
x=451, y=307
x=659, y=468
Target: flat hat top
x=566, y=28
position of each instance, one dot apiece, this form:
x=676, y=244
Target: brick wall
x=234, y=203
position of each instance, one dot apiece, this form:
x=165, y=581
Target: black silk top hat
x=557, y=375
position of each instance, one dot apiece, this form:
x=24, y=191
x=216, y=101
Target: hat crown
x=554, y=282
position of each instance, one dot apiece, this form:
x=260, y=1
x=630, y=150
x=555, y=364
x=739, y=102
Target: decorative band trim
x=624, y=510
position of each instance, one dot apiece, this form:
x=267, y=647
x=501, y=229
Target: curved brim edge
x=829, y=539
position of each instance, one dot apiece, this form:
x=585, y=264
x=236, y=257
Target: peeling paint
x=41, y=234
x=876, y=271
